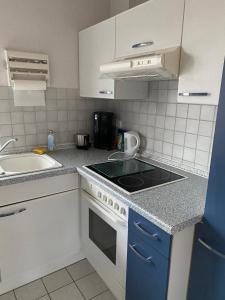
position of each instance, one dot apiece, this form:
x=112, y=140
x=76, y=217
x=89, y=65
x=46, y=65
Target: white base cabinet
x=96, y=47
x=38, y=237
x=203, y=51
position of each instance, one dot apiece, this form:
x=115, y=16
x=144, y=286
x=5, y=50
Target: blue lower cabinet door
x=147, y=273
x=207, y=277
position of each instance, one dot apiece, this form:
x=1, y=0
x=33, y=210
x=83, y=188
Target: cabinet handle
x=204, y=244
x=143, y=44
x=13, y=213
x=186, y=94
x=154, y=236
x=146, y=259
x=106, y=92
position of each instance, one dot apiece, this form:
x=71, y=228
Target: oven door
x=104, y=239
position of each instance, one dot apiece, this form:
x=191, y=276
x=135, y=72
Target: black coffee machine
x=103, y=130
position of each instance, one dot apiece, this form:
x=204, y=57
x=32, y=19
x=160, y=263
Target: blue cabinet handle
x=221, y=255
x=154, y=236
x=146, y=259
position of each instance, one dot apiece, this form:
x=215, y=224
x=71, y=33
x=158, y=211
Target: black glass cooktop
x=134, y=175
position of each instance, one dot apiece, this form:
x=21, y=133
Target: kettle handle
x=136, y=136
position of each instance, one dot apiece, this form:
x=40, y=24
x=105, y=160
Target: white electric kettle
x=131, y=142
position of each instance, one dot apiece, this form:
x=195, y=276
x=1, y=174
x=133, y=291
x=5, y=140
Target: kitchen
x=111, y=156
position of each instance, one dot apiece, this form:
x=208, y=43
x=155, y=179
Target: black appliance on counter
x=103, y=130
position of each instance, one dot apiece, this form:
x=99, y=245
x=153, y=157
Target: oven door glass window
x=102, y=235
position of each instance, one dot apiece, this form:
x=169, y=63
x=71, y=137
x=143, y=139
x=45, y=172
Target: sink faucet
x=7, y=143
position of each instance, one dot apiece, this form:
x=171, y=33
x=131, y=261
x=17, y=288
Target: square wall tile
x=180, y=124
x=170, y=123
x=5, y=118
x=205, y=128
x=171, y=110
x=192, y=126
x=204, y=143
x=182, y=110
x=178, y=151
x=190, y=140
x=179, y=138
x=202, y=158
x=194, y=112
x=208, y=112
x=189, y=154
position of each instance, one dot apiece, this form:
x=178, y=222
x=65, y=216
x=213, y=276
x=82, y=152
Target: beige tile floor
x=76, y=282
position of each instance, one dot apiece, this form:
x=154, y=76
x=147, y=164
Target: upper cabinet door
x=96, y=47
x=203, y=51
x=154, y=25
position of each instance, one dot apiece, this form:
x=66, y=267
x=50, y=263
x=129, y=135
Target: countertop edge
x=172, y=230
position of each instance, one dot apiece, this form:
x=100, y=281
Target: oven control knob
x=99, y=195
x=123, y=211
x=105, y=198
x=110, y=202
x=116, y=206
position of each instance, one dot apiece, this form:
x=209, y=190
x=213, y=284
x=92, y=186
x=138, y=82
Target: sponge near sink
x=39, y=150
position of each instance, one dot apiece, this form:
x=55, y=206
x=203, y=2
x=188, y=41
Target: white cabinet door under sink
x=96, y=47
x=203, y=51
x=158, y=23
x=42, y=235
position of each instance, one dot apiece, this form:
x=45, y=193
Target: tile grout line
x=77, y=285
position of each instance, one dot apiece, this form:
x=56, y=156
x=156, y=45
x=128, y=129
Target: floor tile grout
x=63, y=286
x=76, y=284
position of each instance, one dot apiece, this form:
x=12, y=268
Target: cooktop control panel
x=111, y=202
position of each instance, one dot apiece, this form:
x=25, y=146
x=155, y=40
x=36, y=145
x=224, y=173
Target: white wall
x=117, y=6
x=49, y=26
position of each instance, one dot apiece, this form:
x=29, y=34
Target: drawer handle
x=13, y=213
x=146, y=259
x=187, y=94
x=221, y=255
x=154, y=236
x=106, y=92
x=143, y=44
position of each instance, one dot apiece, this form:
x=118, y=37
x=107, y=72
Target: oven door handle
x=103, y=209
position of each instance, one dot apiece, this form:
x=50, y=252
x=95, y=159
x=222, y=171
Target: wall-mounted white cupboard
x=96, y=47
x=203, y=51
x=154, y=25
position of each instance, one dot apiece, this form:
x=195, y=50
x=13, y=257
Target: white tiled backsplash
x=65, y=113
x=179, y=134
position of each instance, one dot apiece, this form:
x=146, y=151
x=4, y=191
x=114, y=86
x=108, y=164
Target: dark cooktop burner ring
x=129, y=181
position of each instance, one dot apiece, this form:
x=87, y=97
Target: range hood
x=160, y=65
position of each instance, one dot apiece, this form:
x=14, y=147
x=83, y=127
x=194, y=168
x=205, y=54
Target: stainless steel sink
x=25, y=163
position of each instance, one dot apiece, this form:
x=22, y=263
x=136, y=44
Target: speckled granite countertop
x=172, y=207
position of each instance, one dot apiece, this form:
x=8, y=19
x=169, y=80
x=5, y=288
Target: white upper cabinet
x=151, y=26
x=96, y=47
x=203, y=51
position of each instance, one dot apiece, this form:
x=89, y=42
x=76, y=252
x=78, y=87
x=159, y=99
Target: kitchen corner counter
x=172, y=207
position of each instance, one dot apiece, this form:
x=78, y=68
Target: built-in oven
x=104, y=236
